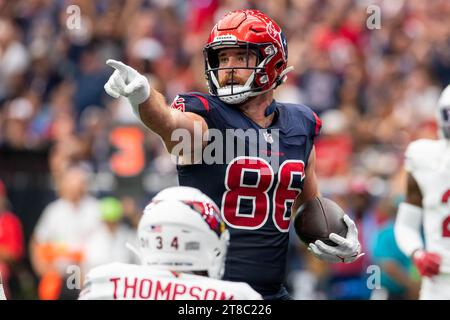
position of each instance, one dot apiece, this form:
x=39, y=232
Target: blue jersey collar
x=271, y=108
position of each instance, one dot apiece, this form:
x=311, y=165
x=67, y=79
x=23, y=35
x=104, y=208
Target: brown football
x=317, y=218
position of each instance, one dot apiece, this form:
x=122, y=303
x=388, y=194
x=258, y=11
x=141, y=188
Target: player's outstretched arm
x=148, y=104
x=407, y=231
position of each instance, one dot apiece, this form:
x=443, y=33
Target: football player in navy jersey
x=272, y=171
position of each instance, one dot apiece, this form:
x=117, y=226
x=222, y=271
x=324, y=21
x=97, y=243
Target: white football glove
x=347, y=250
x=126, y=81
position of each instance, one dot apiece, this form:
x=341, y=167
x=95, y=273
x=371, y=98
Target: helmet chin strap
x=283, y=74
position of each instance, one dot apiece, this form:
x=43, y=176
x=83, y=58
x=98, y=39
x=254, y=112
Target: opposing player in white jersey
x=428, y=203
x=182, y=247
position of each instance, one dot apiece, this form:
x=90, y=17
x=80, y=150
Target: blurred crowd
x=77, y=167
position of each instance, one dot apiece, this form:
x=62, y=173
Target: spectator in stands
x=108, y=243
x=397, y=270
x=11, y=239
x=60, y=236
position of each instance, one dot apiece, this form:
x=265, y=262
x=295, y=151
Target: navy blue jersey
x=254, y=184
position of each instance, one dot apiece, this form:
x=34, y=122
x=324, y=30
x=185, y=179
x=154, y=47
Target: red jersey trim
x=203, y=100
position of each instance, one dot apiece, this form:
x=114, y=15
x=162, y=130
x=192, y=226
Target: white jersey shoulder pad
x=420, y=153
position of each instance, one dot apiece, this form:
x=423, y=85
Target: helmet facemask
x=238, y=93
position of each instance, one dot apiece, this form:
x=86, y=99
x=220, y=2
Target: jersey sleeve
x=98, y=285
x=316, y=125
x=92, y=284
x=191, y=102
x=87, y=292
x=310, y=120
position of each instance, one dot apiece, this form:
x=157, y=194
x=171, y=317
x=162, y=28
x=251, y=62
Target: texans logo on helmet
x=277, y=35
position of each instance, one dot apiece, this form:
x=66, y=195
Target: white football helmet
x=183, y=194
x=443, y=115
x=183, y=235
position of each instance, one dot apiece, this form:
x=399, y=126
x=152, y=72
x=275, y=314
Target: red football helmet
x=258, y=34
